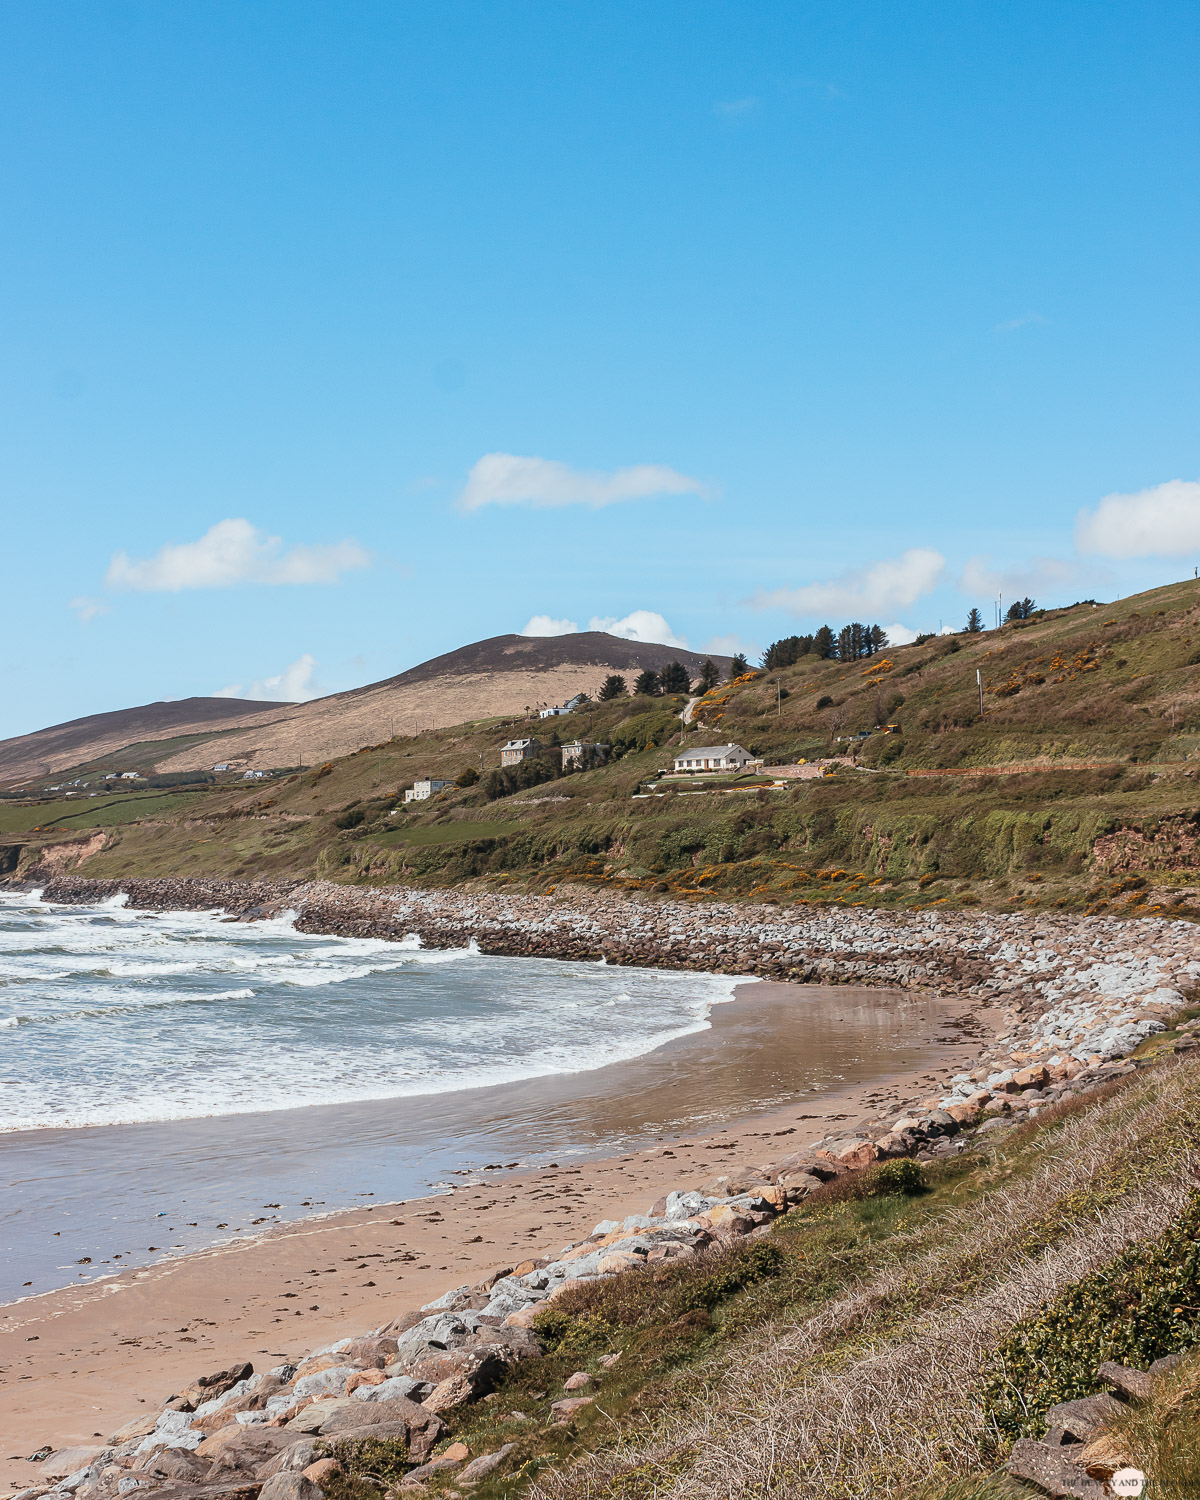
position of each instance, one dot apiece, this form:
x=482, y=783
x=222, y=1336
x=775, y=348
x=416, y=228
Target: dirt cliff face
x=1174, y=844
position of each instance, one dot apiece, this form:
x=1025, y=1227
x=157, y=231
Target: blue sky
x=335, y=336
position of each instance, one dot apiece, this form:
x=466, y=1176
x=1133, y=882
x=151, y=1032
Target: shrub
x=351, y=818
x=467, y=778
x=1143, y=1305
x=825, y=701
x=383, y=1461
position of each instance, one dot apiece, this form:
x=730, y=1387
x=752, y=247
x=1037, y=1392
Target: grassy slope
x=1113, y=688
x=855, y=1351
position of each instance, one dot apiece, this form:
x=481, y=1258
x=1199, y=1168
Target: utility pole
x=778, y=698
x=979, y=684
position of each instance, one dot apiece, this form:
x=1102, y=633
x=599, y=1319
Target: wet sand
x=786, y=1062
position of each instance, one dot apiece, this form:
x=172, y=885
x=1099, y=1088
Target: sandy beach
x=81, y=1361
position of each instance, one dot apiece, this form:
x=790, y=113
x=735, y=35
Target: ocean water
x=114, y=1016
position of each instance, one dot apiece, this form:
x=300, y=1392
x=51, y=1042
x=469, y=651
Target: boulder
x=371, y=1353
x=207, y=1387
x=1051, y=1470
x=620, y=1260
x=563, y=1411
x=487, y=1463
x=291, y=1486
x=175, y=1463
x=323, y=1469
x=420, y=1425
x=140, y=1427
x=328, y=1382
x=364, y=1377
x=389, y=1389
x=577, y=1382
x=70, y=1460
x=293, y=1459
x=455, y=1390
x=1082, y=1419
x=1136, y=1384
x=244, y=1450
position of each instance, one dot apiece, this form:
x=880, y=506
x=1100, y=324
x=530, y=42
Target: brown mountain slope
x=45, y=751
x=500, y=676
x=503, y=675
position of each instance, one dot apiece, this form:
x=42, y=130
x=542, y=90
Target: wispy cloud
x=1022, y=322
x=233, y=552
x=891, y=584
x=87, y=609
x=544, y=483
x=293, y=685
x=1034, y=577
x=1163, y=521
x=732, y=109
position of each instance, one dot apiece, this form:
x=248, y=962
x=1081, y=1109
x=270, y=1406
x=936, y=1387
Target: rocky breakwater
x=238, y=1434
x=1067, y=987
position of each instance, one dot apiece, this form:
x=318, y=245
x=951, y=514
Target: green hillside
x=1096, y=709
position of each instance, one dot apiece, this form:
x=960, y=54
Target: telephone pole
x=979, y=684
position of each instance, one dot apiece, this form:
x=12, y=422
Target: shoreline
x=1067, y=996
x=84, y=1359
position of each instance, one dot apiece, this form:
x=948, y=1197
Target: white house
x=516, y=751
x=421, y=791
x=253, y=775
x=714, y=758
x=131, y=776
x=565, y=708
x=223, y=765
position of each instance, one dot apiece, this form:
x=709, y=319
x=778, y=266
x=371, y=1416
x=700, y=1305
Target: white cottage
x=714, y=758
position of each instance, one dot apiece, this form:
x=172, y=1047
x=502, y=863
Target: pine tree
x=613, y=687
x=974, y=622
x=738, y=666
x=879, y=640
x=824, y=644
x=646, y=685
x=1020, y=609
x=674, y=678
x=845, y=644
x=710, y=675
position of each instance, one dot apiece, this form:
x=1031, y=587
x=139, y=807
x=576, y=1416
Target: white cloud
x=293, y=685
x=639, y=625
x=508, y=479
x=547, y=625
x=1035, y=577
x=1163, y=521
x=732, y=108
x=233, y=552
x=1022, y=322
x=889, y=584
x=87, y=609
x=730, y=645
x=900, y=635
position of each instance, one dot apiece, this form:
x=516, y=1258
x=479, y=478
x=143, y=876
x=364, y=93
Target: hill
x=1076, y=786
x=507, y=674
x=499, y=677
x=30, y=757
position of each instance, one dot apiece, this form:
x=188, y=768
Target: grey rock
x=1083, y=1419
x=487, y=1463
x=290, y=1486
x=1052, y=1471
x=1130, y=1382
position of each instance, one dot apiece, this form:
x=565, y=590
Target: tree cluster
x=1020, y=609
x=849, y=644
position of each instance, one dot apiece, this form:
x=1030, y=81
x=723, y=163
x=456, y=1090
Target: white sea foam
x=115, y=1020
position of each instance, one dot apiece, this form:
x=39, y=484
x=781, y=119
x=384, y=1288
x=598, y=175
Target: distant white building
x=421, y=791
x=253, y=775
x=516, y=751
x=225, y=765
x=131, y=776
x=715, y=758
x=565, y=708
